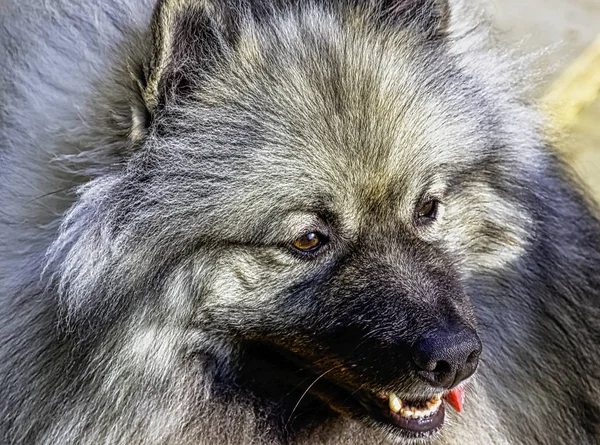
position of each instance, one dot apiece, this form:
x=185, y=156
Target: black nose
x=447, y=357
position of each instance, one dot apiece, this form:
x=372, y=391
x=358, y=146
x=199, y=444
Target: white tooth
x=395, y=403
x=407, y=413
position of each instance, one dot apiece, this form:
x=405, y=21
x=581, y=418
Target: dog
x=284, y=222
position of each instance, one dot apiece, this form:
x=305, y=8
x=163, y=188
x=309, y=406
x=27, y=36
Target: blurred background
x=565, y=37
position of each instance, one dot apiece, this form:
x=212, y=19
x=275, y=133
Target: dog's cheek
x=253, y=278
x=485, y=231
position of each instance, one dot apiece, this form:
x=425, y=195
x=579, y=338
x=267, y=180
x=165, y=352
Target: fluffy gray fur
x=150, y=182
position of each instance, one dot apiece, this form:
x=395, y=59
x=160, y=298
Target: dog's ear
x=185, y=41
x=428, y=17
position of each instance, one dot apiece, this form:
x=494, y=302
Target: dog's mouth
x=411, y=418
x=418, y=418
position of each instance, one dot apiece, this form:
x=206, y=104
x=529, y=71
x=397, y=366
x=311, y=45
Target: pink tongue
x=455, y=398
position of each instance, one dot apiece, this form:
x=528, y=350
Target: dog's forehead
x=361, y=120
x=364, y=115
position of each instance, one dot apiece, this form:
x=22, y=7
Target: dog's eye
x=309, y=242
x=428, y=210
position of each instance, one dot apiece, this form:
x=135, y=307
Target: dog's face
x=326, y=184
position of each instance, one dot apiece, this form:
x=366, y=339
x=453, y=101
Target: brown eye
x=309, y=242
x=428, y=210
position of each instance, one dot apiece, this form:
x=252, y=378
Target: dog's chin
x=405, y=421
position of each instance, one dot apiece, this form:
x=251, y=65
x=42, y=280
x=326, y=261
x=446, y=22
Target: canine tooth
x=395, y=403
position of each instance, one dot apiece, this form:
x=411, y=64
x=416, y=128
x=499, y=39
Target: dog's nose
x=447, y=357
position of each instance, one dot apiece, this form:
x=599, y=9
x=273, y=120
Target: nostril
x=473, y=357
x=442, y=368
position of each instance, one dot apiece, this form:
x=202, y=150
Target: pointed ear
x=428, y=17
x=186, y=39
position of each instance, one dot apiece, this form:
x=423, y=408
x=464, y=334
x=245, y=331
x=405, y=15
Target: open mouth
x=419, y=418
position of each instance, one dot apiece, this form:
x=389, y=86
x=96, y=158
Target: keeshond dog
x=284, y=222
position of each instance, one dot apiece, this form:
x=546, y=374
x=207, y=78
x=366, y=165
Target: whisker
x=308, y=389
x=55, y=192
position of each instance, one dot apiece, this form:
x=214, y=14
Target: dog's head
x=315, y=185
